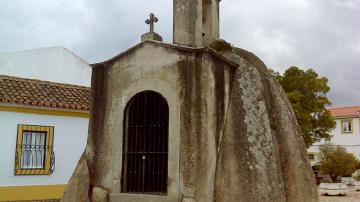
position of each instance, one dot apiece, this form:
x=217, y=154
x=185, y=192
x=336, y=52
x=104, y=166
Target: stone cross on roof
x=151, y=35
x=151, y=21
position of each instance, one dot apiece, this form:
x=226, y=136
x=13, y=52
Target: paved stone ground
x=351, y=196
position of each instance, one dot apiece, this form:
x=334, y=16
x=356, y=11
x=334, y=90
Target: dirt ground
x=351, y=196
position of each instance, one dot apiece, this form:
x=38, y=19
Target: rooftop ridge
x=32, y=92
x=167, y=45
x=42, y=81
x=344, y=107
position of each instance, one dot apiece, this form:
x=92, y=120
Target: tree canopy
x=307, y=91
x=335, y=161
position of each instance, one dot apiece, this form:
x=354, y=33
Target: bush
x=356, y=175
x=335, y=161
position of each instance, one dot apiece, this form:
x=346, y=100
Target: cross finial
x=151, y=21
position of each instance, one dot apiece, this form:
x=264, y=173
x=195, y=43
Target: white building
x=56, y=64
x=346, y=133
x=44, y=123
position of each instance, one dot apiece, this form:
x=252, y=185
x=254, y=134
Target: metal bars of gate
x=145, y=149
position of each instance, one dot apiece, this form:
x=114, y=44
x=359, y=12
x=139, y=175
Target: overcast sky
x=319, y=34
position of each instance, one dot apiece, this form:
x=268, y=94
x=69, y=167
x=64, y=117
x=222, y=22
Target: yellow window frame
x=49, y=142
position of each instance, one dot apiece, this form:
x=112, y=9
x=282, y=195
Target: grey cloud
x=323, y=34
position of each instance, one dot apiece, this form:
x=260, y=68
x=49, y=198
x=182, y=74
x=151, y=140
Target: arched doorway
x=145, y=144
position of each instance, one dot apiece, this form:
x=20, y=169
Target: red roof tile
x=345, y=111
x=43, y=93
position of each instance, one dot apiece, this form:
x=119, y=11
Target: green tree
x=307, y=94
x=335, y=161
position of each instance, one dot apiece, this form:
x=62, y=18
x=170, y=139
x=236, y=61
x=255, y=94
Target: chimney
x=196, y=22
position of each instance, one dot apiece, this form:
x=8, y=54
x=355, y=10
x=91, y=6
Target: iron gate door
x=145, y=148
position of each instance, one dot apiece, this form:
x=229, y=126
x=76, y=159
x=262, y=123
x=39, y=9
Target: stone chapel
x=195, y=120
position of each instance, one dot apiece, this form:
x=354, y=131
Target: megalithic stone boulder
x=262, y=156
x=239, y=139
x=78, y=186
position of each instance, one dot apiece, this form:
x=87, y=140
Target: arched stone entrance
x=145, y=144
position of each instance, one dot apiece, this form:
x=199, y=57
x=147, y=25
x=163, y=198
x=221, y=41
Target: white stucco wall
x=70, y=135
x=351, y=141
x=346, y=138
x=55, y=64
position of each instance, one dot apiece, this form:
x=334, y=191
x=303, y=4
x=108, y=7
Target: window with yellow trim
x=34, y=150
x=346, y=126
